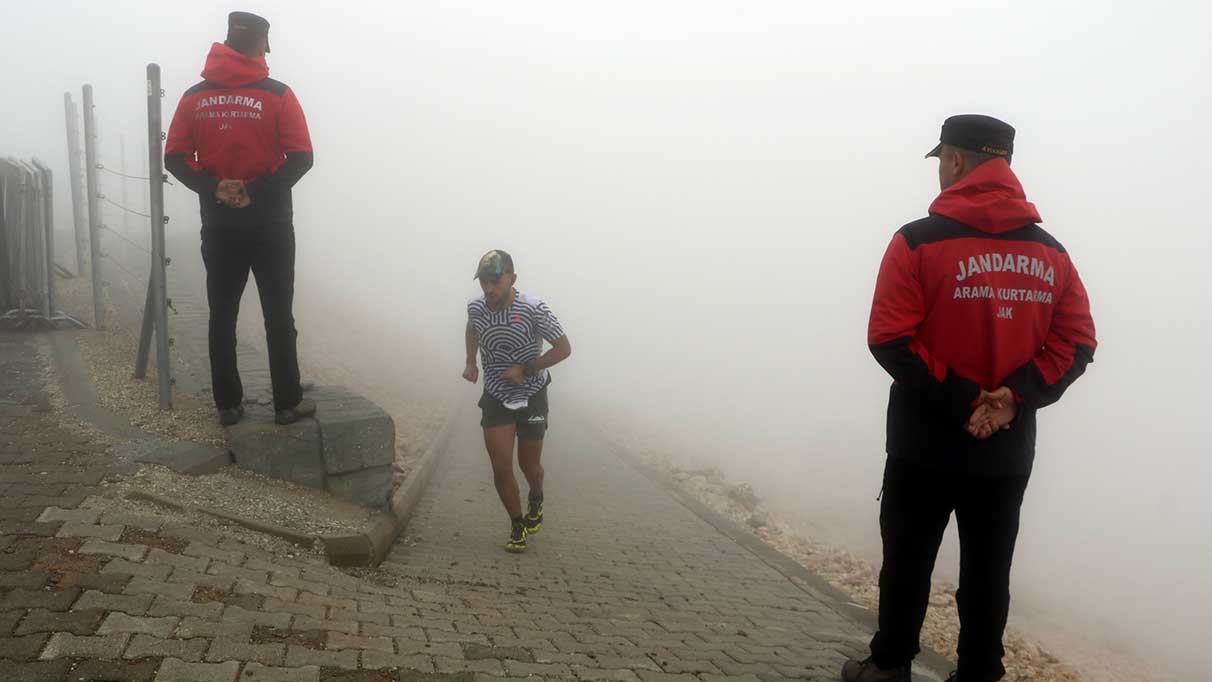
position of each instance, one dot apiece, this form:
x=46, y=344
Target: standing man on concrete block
x=981, y=319
x=508, y=328
x=240, y=141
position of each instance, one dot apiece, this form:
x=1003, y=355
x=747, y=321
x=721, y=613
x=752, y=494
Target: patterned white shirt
x=512, y=336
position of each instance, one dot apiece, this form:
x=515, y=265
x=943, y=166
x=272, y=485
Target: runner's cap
x=494, y=264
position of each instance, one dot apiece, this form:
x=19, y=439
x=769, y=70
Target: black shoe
x=305, y=408
x=534, y=515
x=953, y=677
x=231, y=416
x=867, y=671
x=517, y=537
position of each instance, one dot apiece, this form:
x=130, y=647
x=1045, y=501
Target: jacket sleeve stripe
x=1068, y=348
x=896, y=312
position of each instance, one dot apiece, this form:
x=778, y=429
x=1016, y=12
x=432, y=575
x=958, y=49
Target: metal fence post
x=33, y=239
x=147, y=327
x=28, y=270
x=155, y=175
x=7, y=295
x=73, y=165
x=48, y=241
x=94, y=209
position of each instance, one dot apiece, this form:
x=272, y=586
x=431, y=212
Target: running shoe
x=534, y=515
x=517, y=537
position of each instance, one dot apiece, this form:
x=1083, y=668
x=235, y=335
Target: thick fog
x=702, y=191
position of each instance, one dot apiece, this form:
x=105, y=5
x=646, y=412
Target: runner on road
x=508, y=328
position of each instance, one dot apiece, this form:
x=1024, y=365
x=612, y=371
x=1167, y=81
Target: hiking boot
x=231, y=416
x=517, y=537
x=305, y=408
x=534, y=515
x=867, y=671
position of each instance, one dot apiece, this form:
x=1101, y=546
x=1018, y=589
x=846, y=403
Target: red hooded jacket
x=976, y=296
x=239, y=124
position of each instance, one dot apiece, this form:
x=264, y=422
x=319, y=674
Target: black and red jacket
x=976, y=296
x=239, y=124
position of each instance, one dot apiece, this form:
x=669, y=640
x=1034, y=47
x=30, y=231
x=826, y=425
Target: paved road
x=623, y=584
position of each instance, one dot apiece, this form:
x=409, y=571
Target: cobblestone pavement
x=623, y=583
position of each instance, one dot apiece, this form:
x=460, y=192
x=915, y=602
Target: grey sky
x=703, y=191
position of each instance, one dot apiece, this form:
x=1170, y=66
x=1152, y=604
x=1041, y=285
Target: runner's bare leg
x=499, y=441
x=530, y=453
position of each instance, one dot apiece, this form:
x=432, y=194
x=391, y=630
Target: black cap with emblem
x=978, y=133
x=243, y=27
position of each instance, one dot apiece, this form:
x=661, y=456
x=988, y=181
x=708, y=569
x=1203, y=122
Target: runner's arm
x=473, y=343
x=560, y=349
x=470, y=371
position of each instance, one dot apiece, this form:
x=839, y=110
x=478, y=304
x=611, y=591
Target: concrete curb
x=138, y=446
x=369, y=548
x=298, y=538
x=365, y=549
x=929, y=666
x=78, y=389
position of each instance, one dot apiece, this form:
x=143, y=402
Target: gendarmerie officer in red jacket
x=981, y=319
x=240, y=141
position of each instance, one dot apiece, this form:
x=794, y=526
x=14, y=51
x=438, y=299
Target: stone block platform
x=346, y=449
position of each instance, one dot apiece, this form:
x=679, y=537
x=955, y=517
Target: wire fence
x=120, y=174
x=116, y=263
x=129, y=241
x=87, y=200
x=121, y=207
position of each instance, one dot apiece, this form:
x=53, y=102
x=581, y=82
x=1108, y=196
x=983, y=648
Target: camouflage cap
x=494, y=264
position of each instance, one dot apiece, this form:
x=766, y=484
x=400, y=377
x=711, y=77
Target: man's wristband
x=529, y=369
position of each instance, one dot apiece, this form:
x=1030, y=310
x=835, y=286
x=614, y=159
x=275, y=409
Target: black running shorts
x=530, y=420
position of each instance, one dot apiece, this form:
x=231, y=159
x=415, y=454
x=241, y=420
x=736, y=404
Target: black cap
x=247, y=25
x=494, y=264
x=978, y=133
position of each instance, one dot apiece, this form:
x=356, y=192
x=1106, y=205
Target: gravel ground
x=112, y=498
x=110, y=358
x=252, y=496
x=1027, y=659
x=58, y=402
x=181, y=487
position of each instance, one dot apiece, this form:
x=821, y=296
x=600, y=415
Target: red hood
x=989, y=198
x=231, y=69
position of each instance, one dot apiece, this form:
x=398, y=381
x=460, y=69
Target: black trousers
x=917, y=504
x=269, y=253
